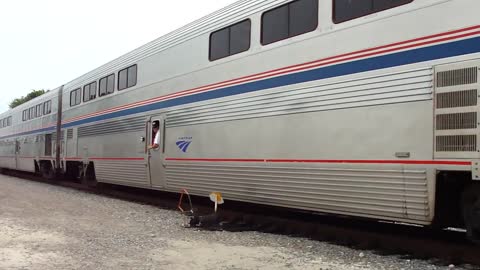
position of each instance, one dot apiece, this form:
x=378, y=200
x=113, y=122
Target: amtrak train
x=366, y=109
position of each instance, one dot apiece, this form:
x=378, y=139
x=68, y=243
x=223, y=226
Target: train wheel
x=471, y=212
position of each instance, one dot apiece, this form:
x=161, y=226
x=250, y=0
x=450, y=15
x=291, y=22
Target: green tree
x=33, y=94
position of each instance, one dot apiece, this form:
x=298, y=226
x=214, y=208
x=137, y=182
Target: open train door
x=156, y=156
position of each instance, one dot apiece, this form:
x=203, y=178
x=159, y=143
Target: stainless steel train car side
x=373, y=117
x=32, y=140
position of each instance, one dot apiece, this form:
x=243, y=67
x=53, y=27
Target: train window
x=240, y=37
x=345, y=10
x=75, y=97
x=102, y=87
x=122, y=79
x=9, y=121
x=303, y=17
x=110, y=84
x=289, y=20
x=89, y=91
x=107, y=84
x=47, y=107
x=127, y=77
x=31, y=113
x=132, y=76
x=219, y=44
x=24, y=115
x=230, y=40
x=275, y=25
x=38, y=110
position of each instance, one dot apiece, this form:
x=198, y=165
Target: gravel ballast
x=50, y=227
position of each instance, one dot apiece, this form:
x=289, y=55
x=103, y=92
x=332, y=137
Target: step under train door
x=456, y=108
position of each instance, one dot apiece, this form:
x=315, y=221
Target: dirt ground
x=50, y=227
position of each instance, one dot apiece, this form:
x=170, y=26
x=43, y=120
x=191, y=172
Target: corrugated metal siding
x=381, y=193
x=413, y=85
x=112, y=127
x=122, y=172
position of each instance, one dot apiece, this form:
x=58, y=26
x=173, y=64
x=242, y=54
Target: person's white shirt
x=157, y=138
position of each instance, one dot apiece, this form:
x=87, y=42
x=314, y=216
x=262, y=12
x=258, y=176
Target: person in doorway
x=155, y=135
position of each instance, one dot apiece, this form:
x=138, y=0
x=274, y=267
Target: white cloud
x=44, y=44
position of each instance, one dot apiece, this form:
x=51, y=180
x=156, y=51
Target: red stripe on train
x=288, y=69
x=411, y=162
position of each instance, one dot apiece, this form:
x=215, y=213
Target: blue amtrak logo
x=183, y=143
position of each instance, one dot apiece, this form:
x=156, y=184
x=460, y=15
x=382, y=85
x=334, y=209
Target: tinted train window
x=107, y=84
x=47, y=107
x=344, y=10
x=75, y=97
x=230, y=40
x=31, y=113
x=132, y=76
x=127, y=77
x=303, y=17
x=9, y=121
x=240, y=37
x=89, y=91
x=38, y=110
x=275, y=25
x=289, y=20
x=219, y=44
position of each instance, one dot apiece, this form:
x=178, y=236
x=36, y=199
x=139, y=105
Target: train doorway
x=156, y=127
x=17, y=153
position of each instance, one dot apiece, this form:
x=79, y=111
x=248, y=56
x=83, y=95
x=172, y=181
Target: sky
x=44, y=44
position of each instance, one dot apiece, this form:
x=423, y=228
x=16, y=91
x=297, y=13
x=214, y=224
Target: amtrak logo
x=183, y=143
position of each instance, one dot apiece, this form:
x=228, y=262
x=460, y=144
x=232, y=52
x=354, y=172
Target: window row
x=345, y=10
x=6, y=122
x=289, y=20
x=37, y=111
x=126, y=78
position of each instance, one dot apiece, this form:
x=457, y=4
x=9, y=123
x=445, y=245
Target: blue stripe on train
x=386, y=61
x=434, y=52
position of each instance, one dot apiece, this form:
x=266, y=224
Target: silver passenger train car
x=356, y=108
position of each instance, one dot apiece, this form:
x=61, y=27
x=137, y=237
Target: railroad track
x=441, y=246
